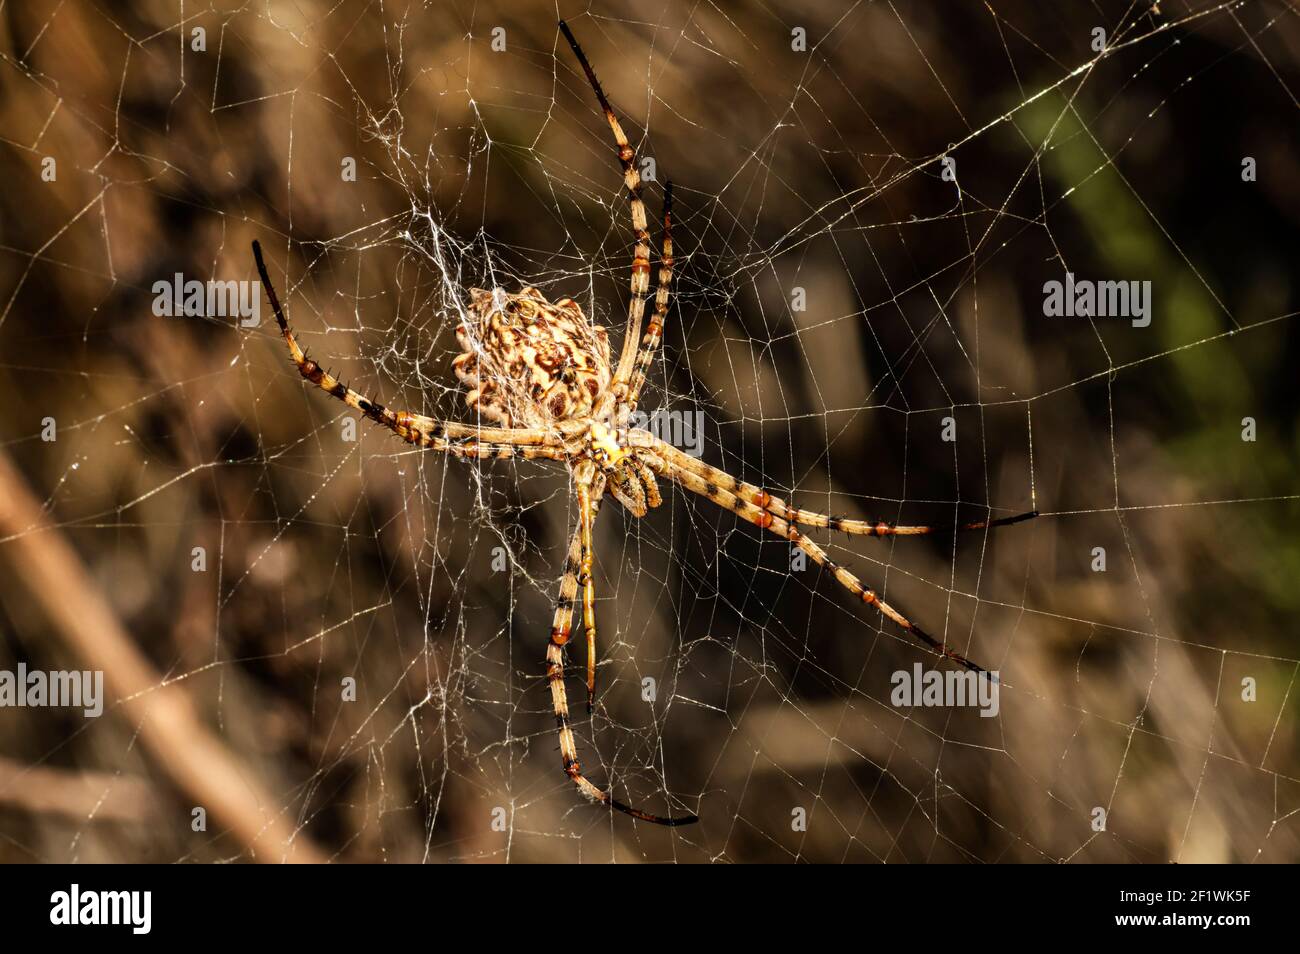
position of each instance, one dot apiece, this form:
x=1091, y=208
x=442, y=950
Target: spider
x=541, y=371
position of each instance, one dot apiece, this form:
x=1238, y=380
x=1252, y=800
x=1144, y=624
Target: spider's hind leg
x=447, y=436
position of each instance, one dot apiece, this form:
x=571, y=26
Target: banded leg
x=561, y=629
x=655, y=329
x=765, y=520
x=760, y=498
x=640, y=282
x=586, y=560
x=416, y=429
x=476, y=450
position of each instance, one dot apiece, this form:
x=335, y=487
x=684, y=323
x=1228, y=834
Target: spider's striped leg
x=477, y=450
x=655, y=329
x=640, y=283
x=809, y=518
x=561, y=629
x=417, y=429
x=778, y=525
x=585, y=563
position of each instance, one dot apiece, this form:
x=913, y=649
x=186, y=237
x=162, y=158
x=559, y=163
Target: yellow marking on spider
x=602, y=438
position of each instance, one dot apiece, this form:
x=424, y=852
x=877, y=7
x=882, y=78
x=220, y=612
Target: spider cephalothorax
x=627, y=470
x=541, y=372
x=529, y=362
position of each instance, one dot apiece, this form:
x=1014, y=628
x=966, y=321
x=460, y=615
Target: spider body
x=528, y=362
x=542, y=373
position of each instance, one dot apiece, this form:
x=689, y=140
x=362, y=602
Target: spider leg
x=655, y=329
x=476, y=450
x=809, y=518
x=640, y=282
x=586, y=516
x=765, y=520
x=561, y=629
x=414, y=428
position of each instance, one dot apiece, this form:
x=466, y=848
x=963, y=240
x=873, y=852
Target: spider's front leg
x=586, y=517
x=577, y=571
x=765, y=520
x=632, y=483
x=760, y=498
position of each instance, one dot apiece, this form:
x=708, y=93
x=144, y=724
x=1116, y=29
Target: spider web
x=845, y=300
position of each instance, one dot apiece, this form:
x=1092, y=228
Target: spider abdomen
x=529, y=362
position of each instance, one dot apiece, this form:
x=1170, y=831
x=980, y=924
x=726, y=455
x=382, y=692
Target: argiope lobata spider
x=542, y=371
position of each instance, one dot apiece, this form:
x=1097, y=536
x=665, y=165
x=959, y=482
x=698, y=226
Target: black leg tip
x=639, y=815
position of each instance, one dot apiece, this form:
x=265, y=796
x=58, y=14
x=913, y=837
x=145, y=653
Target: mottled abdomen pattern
x=528, y=362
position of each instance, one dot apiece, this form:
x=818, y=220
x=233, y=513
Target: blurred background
x=355, y=673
